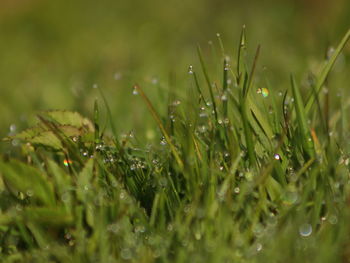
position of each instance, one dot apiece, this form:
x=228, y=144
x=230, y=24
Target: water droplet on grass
x=163, y=141
x=122, y=195
x=154, y=81
x=202, y=129
x=333, y=219
x=190, y=69
x=263, y=91
x=135, y=91
x=15, y=142
x=94, y=86
x=65, y=197
x=176, y=103
x=224, y=97
x=67, y=162
x=113, y=228
x=13, y=128
x=99, y=147
x=117, y=76
x=259, y=247
x=236, y=190
x=290, y=197
x=305, y=230
x=277, y=157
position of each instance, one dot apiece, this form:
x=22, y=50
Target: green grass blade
x=327, y=68
x=307, y=142
x=241, y=47
x=207, y=79
x=161, y=126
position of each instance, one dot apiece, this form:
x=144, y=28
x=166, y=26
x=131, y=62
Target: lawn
x=144, y=142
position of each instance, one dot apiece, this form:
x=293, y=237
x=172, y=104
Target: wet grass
x=240, y=172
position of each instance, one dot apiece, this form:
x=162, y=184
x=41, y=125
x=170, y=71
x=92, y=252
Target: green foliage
x=237, y=176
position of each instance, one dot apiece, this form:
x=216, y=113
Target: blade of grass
x=241, y=47
x=96, y=122
x=205, y=72
x=160, y=125
x=307, y=142
x=327, y=68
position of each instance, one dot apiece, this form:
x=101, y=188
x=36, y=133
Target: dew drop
x=94, y=86
x=65, y=197
x=29, y=193
x=333, y=219
x=330, y=52
x=67, y=162
x=19, y=207
x=176, y=103
x=163, y=141
x=154, y=81
x=224, y=97
x=290, y=197
x=203, y=115
x=305, y=230
x=15, y=142
x=236, y=190
x=170, y=227
x=202, y=129
x=117, y=76
x=190, y=69
x=263, y=91
x=122, y=195
x=135, y=91
x=99, y=147
x=113, y=228
x=259, y=247
x=277, y=157
x=13, y=128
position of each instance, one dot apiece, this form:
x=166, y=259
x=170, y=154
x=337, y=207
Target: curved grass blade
x=161, y=127
x=325, y=71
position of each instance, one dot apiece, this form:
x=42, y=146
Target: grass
x=240, y=173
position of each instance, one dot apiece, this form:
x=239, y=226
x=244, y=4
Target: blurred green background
x=52, y=53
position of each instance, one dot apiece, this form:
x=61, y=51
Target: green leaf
x=69, y=124
x=24, y=178
x=68, y=118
